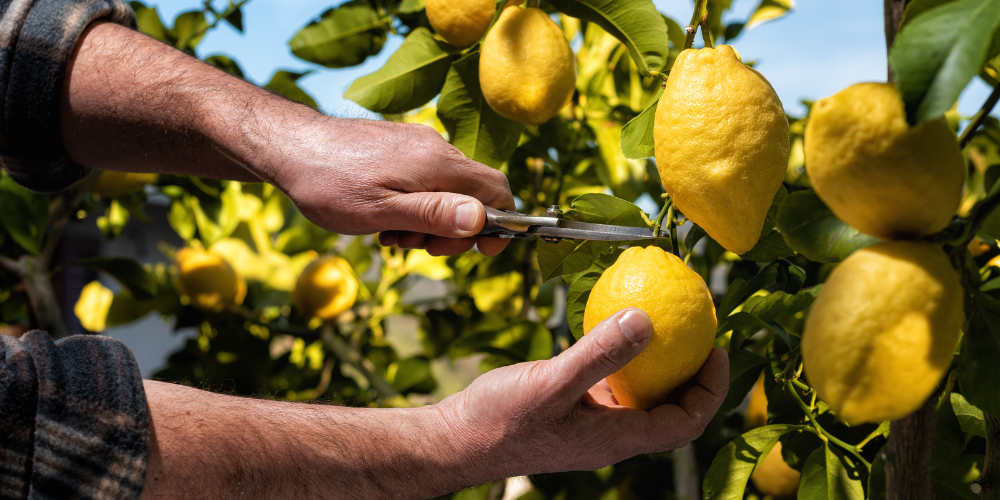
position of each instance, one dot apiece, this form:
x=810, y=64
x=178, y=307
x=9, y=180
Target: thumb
x=441, y=214
x=604, y=350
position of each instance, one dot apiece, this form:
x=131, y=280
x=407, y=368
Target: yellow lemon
x=325, y=288
x=462, y=22
x=978, y=247
x=774, y=477
x=208, y=281
x=110, y=183
x=680, y=306
x=526, y=68
x=882, y=331
x=93, y=305
x=757, y=409
x=876, y=172
x=721, y=142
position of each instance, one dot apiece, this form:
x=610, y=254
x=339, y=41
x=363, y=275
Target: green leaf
x=948, y=439
x=937, y=54
x=622, y=175
x=410, y=6
x=811, y=229
x=23, y=214
x=979, y=372
x=876, y=479
x=740, y=290
x=779, y=305
x=235, y=19
x=580, y=285
x=953, y=479
x=636, y=23
x=286, y=84
x=727, y=477
x=225, y=64
x=574, y=256
x=675, y=32
x=189, y=29
x=129, y=273
x=771, y=245
x=744, y=324
x=412, y=76
x=343, y=36
x=829, y=474
x=970, y=418
x=769, y=10
x=474, y=128
x=916, y=7
x=149, y=22
x=744, y=368
x=637, y=135
x=408, y=373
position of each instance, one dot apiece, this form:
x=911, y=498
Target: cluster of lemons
x=882, y=331
x=526, y=67
x=325, y=289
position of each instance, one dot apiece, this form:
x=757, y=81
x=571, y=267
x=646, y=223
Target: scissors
x=553, y=227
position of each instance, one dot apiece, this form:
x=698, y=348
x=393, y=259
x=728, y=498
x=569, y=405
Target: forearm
x=132, y=103
x=214, y=446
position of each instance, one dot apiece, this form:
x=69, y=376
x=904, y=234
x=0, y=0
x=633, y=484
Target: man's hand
x=560, y=414
x=134, y=104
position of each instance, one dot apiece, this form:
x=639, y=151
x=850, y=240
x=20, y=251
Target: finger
x=603, y=396
x=388, y=238
x=491, y=246
x=687, y=420
x=437, y=245
x=603, y=351
x=411, y=240
x=441, y=214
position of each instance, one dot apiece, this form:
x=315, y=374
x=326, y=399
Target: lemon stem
x=534, y=3
x=819, y=430
x=700, y=11
x=706, y=34
x=667, y=205
x=980, y=117
x=674, y=246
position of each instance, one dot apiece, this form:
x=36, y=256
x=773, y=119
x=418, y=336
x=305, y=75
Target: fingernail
x=635, y=325
x=466, y=217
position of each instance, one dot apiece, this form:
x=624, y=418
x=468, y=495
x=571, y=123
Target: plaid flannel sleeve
x=73, y=419
x=37, y=38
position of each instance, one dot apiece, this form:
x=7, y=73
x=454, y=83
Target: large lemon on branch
x=326, y=288
x=721, y=142
x=680, y=306
x=876, y=172
x=207, y=280
x=882, y=331
x=526, y=68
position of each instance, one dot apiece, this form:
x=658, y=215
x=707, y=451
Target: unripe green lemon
x=882, y=331
x=326, y=288
x=526, y=67
x=111, y=183
x=877, y=173
x=461, y=22
x=721, y=142
x=680, y=307
x=208, y=281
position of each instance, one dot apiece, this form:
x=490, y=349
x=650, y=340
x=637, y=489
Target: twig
x=692, y=27
x=819, y=430
x=667, y=206
x=706, y=34
x=980, y=117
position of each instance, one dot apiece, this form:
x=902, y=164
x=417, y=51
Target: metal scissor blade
x=589, y=231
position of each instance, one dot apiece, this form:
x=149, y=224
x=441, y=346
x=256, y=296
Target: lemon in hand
x=207, y=280
x=326, y=288
x=882, y=331
x=877, y=173
x=680, y=307
x=526, y=66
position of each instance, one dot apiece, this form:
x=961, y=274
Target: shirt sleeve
x=73, y=419
x=37, y=38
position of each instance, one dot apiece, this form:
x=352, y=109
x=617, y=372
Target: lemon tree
x=846, y=259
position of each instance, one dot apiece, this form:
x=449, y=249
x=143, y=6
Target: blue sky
x=818, y=49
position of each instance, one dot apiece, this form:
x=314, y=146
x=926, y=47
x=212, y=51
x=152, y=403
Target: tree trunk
x=893, y=10
x=987, y=486
x=908, y=455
